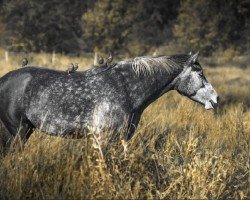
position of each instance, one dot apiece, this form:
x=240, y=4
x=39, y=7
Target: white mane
x=148, y=65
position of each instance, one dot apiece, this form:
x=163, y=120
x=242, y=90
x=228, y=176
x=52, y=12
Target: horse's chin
x=208, y=105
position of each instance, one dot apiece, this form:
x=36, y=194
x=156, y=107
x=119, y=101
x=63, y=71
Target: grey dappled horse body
x=99, y=99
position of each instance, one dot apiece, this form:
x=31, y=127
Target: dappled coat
x=105, y=99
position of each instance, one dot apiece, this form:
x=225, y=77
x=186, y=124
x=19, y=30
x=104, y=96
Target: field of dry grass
x=180, y=150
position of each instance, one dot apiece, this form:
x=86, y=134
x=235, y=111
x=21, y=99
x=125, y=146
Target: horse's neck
x=143, y=89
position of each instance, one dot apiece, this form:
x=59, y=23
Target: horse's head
x=192, y=83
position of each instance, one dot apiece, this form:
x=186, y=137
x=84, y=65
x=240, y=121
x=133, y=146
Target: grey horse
x=100, y=99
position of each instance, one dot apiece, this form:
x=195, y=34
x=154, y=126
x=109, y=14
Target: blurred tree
x=209, y=24
x=134, y=26
x=48, y=25
x=153, y=27
x=130, y=26
x=108, y=23
x=244, y=18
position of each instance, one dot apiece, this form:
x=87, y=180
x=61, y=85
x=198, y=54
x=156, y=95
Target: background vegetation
x=180, y=151
x=124, y=26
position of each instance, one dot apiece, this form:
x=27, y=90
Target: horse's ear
x=193, y=58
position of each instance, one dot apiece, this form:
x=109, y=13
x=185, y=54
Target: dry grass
x=180, y=151
x=61, y=62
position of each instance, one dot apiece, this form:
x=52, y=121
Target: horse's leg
x=5, y=138
x=133, y=122
x=17, y=131
x=25, y=130
x=10, y=133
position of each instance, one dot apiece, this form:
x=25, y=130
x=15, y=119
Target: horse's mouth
x=210, y=105
x=207, y=104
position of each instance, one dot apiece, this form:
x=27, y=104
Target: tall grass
x=179, y=151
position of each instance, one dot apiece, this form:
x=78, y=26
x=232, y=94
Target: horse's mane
x=149, y=64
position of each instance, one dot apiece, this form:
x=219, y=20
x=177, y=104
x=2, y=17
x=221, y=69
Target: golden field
x=179, y=151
